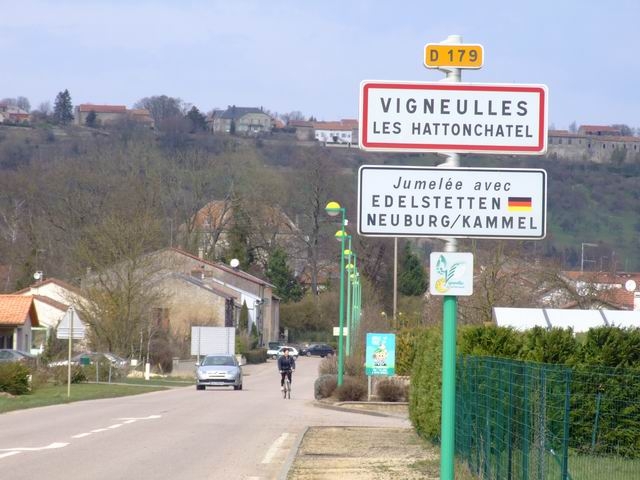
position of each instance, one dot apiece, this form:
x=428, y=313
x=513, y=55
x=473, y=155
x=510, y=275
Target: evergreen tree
x=239, y=247
x=63, y=108
x=197, y=119
x=90, y=121
x=412, y=280
x=244, y=318
x=278, y=273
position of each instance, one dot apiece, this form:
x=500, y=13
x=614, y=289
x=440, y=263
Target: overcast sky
x=310, y=56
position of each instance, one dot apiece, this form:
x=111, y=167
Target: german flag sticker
x=519, y=204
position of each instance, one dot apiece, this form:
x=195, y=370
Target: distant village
x=594, y=143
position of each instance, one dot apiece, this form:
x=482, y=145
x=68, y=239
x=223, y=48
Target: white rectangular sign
x=451, y=273
x=453, y=117
x=452, y=202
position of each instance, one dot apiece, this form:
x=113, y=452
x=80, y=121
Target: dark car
x=319, y=349
x=9, y=355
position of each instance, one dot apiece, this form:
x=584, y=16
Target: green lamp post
x=333, y=209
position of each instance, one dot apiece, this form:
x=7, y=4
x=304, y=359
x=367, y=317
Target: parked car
x=272, y=351
x=320, y=349
x=219, y=371
x=90, y=358
x=9, y=355
x=293, y=352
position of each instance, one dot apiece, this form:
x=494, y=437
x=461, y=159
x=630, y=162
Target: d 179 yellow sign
x=437, y=55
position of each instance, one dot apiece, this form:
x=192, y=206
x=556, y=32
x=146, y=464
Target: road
x=177, y=434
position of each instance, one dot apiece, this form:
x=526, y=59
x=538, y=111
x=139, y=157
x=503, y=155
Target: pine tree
x=63, y=108
x=412, y=280
x=197, y=119
x=278, y=273
x=90, y=121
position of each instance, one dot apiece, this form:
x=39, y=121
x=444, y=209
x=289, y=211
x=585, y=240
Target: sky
x=310, y=56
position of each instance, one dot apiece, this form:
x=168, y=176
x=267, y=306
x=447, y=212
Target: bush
x=324, y=386
x=59, y=375
x=14, y=378
x=391, y=390
x=353, y=366
x=425, y=394
x=257, y=355
x=352, y=390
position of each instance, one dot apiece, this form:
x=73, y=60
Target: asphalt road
x=177, y=434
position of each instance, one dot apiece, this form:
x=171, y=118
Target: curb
x=341, y=408
x=288, y=463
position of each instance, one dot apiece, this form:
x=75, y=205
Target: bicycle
x=286, y=392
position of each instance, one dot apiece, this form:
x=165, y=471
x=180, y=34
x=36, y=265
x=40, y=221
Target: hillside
x=62, y=186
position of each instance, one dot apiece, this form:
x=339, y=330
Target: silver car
x=219, y=371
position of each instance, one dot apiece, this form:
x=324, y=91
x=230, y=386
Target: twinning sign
x=452, y=202
x=453, y=117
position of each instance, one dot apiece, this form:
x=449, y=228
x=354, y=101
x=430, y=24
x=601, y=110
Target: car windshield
x=218, y=360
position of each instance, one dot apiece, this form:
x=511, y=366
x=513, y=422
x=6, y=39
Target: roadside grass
x=54, y=395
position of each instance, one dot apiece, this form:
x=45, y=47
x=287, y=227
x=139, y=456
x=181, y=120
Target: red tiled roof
x=87, y=107
x=15, y=309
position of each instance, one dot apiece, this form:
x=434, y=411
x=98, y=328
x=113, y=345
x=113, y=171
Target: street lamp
x=333, y=209
x=582, y=254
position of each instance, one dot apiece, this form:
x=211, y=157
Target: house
x=593, y=143
x=231, y=285
x=106, y=115
x=188, y=300
x=17, y=317
x=240, y=120
x=13, y=114
x=342, y=132
x=52, y=298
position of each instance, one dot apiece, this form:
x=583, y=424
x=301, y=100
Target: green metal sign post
x=447, y=426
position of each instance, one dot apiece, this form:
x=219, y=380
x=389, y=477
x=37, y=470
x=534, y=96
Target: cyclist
x=286, y=365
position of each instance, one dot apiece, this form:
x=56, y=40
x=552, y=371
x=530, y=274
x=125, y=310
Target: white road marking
x=15, y=451
x=34, y=449
x=274, y=448
x=133, y=419
x=8, y=454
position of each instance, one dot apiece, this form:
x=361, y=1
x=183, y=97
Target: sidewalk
x=359, y=453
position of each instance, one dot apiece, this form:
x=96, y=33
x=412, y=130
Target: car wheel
x=308, y=354
x=200, y=387
x=274, y=357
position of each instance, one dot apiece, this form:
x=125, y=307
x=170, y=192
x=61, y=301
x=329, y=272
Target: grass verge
x=54, y=395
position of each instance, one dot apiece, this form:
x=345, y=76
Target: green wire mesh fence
x=529, y=421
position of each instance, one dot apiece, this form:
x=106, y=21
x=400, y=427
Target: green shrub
x=59, y=375
x=406, y=342
x=391, y=390
x=557, y=346
x=425, y=393
x=352, y=390
x=324, y=386
x=257, y=355
x=14, y=378
x=490, y=341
